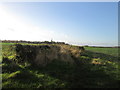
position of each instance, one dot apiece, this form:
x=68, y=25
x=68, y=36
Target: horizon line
x=66, y=43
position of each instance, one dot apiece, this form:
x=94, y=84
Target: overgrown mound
x=44, y=54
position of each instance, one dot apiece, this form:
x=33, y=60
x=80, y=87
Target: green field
x=108, y=51
x=98, y=68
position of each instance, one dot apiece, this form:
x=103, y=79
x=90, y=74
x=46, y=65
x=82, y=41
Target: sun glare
x=15, y=27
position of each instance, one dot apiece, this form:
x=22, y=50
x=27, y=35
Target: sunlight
x=13, y=27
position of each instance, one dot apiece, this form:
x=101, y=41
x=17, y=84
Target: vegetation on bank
x=97, y=68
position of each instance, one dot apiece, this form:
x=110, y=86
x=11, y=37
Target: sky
x=79, y=23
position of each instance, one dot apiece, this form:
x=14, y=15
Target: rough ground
x=44, y=54
x=93, y=69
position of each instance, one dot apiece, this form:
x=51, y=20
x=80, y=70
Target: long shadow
x=108, y=71
x=101, y=55
x=82, y=75
x=9, y=66
x=23, y=79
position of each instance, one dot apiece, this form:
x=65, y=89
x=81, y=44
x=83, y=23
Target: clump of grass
x=8, y=51
x=11, y=75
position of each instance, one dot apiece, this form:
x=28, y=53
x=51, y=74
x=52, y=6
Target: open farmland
x=94, y=68
x=113, y=51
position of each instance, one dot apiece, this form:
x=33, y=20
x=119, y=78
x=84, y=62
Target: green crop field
x=98, y=68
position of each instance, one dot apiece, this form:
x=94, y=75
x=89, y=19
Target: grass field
x=109, y=51
x=98, y=68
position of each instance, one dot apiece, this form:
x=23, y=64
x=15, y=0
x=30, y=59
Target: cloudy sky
x=81, y=23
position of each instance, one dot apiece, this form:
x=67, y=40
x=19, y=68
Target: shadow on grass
x=9, y=66
x=103, y=56
x=84, y=74
x=63, y=75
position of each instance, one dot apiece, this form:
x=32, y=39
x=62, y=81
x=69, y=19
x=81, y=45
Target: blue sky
x=81, y=23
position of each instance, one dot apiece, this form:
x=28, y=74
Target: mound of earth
x=44, y=54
